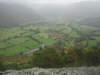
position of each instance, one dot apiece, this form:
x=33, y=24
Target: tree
x=74, y=56
x=93, y=56
x=60, y=47
x=46, y=58
x=2, y=67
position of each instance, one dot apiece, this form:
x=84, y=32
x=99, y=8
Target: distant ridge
x=14, y=14
x=84, y=12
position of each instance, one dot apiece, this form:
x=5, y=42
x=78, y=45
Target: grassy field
x=15, y=40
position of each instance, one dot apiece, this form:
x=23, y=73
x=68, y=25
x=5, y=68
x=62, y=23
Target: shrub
x=2, y=67
x=93, y=56
x=47, y=58
x=74, y=56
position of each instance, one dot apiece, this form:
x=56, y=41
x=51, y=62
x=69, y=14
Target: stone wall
x=60, y=71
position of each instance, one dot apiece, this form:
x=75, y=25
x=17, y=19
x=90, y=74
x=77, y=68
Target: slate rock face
x=60, y=71
x=45, y=73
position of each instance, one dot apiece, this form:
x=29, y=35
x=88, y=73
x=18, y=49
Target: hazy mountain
x=84, y=12
x=88, y=13
x=14, y=14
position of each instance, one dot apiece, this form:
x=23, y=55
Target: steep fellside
x=14, y=14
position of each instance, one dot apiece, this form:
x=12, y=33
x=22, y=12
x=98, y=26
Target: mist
x=39, y=4
x=69, y=9
x=43, y=1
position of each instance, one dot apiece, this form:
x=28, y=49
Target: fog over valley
x=18, y=11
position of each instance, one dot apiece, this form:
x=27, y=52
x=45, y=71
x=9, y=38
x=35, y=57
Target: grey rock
x=60, y=71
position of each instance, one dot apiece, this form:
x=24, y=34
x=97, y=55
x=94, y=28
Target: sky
x=55, y=1
x=44, y=1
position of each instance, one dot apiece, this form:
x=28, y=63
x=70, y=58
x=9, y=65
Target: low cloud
x=43, y=1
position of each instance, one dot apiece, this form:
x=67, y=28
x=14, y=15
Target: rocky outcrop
x=60, y=71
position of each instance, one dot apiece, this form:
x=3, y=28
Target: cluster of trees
x=2, y=68
x=46, y=58
x=50, y=57
x=74, y=56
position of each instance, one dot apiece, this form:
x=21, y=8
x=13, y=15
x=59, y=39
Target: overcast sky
x=37, y=3
x=44, y=1
x=55, y=1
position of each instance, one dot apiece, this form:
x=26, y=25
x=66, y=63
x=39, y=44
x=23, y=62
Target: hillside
x=84, y=12
x=14, y=14
x=87, y=13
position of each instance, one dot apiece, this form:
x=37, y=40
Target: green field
x=15, y=40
